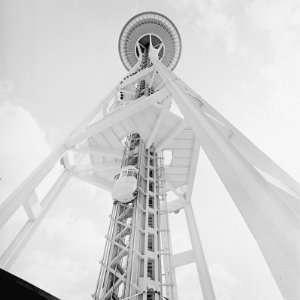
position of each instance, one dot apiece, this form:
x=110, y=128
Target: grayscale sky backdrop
x=59, y=57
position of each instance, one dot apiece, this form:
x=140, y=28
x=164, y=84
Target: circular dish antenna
x=137, y=33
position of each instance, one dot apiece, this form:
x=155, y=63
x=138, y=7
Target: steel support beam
x=156, y=127
x=110, y=152
x=250, y=151
x=117, y=116
x=261, y=208
x=168, y=260
x=174, y=206
x=32, y=206
x=199, y=256
x=170, y=136
x=25, y=190
x=193, y=169
x=183, y=258
x=90, y=177
x=17, y=245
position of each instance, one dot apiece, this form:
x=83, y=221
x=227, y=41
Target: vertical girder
x=132, y=261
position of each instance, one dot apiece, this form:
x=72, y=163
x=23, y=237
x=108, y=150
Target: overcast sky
x=59, y=57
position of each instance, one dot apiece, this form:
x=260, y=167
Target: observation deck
x=141, y=30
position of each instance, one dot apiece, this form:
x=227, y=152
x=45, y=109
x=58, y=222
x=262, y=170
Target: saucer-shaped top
x=137, y=33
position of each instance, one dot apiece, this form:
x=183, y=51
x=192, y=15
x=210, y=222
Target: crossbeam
x=117, y=116
x=183, y=258
x=21, y=239
x=106, y=151
x=170, y=136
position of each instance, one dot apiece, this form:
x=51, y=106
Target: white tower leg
x=196, y=255
x=202, y=269
x=25, y=190
x=17, y=245
x=275, y=226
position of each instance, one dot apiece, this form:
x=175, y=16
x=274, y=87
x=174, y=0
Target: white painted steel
x=138, y=236
x=267, y=197
x=171, y=135
x=201, y=265
x=156, y=127
x=32, y=206
x=183, y=258
x=18, y=244
x=275, y=226
x=250, y=151
x=117, y=116
x=24, y=191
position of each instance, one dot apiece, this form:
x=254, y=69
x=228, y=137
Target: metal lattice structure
x=120, y=147
x=131, y=265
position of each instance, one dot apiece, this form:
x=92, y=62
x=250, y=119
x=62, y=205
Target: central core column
x=131, y=265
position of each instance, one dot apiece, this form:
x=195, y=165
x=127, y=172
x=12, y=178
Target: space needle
x=134, y=146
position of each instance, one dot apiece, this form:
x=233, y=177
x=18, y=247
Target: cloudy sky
x=59, y=57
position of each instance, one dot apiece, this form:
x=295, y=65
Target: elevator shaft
x=131, y=267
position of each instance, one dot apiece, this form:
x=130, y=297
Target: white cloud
x=23, y=146
x=212, y=21
x=274, y=15
x=219, y=26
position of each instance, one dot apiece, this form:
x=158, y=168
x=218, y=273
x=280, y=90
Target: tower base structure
x=138, y=262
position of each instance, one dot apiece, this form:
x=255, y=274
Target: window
x=151, y=173
x=151, y=161
x=151, y=242
x=151, y=220
x=151, y=201
x=150, y=269
x=151, y=186
x=132, y=172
